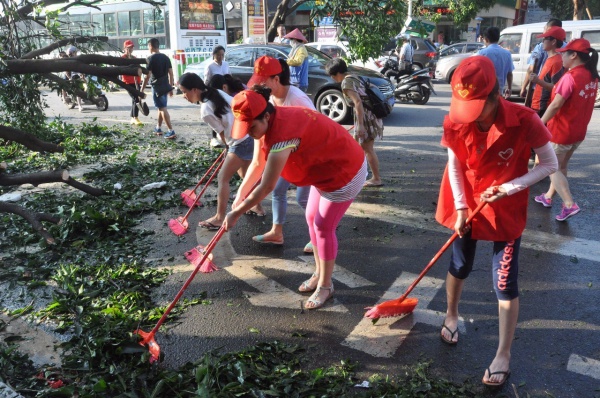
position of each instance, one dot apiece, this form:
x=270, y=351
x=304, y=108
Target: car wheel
x=449, y=79
x=331, y=103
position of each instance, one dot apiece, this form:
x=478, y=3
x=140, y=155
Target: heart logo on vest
x=463, y=93
x=506, y=154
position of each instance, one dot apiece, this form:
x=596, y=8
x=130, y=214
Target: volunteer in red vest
x=568, y=116
x=488, y=140
x=134, y=82
x=316, y=152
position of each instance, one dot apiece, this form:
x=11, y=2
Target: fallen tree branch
x=45, y=177
x=28, y=140
x=35, y=219
x=26, y=66
x=61, y=43
x=132, y=91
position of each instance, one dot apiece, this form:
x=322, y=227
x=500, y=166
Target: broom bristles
x=189, y=197
x=196, y=254
x=178, y=226
x=392, y=308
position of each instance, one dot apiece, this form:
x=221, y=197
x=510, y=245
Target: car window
x=451, y=51
x=333, y=51
x=316, y=58
x=511, y=42
x=240, y=57
x=473, y=47
x=534, y=41
x=429, y=45
x=260, y=51
x=593, y=37
x=568, y=36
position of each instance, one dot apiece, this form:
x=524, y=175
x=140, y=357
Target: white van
x=520, y=41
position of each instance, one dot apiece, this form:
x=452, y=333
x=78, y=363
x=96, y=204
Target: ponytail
x=212, y=95
x=590, y=59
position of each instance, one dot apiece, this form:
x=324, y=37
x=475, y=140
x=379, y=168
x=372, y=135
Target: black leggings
x=135, y=111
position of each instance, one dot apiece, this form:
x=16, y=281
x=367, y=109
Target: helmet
x=72, y=50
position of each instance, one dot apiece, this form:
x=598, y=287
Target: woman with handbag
x=133, y=82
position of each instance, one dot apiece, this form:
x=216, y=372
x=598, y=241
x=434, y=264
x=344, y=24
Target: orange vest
x=569, y=125
x=327, y=156
x=502, y=155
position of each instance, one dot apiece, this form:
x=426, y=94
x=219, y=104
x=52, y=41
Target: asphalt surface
x=386, y=238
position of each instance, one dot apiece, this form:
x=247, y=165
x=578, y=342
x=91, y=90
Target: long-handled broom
x=148, y=337
x=180, y=225
x=189, y=195
x=404, y=305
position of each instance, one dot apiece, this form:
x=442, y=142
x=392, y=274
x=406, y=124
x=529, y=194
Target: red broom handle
x=207, y=250
x=439, y=253
x=210, y=169
x=212, y=176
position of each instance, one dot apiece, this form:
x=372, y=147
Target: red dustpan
x=147, y=338
x=180, y=225
x=189, y=195
x=404, y=305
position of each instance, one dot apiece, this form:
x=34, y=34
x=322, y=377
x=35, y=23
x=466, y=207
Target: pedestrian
x=218, y=66
x=77, y=77
x=488, y=140
x=298, y=59
x=405, y=53
x=227, y=84
x=551, y=72
x=367, y=126
x=501, y=58
x=568, y=116
x=317, y=152
x=64, y=95
x=275, y=74
x=538, y=54
x=160, y=74
x=215, y=111
x=280, y=38
x=133, y=82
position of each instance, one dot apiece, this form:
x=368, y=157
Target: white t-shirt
x=223, y=124
x=297, y=97
x=213, y=68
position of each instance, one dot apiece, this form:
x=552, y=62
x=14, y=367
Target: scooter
x=99, y=99
x=416, y=87
x=391, y=68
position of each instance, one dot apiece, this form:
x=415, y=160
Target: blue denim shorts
x=243, y=150
x=159, y=102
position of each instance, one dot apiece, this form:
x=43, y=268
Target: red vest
x=128, y=79
x=569, y=125
x=502, y=155
x=327, y=156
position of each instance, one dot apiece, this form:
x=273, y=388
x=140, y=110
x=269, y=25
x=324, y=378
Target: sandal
x=305, y=286
x=498, y=384
x=445, y=340
x=314, y=299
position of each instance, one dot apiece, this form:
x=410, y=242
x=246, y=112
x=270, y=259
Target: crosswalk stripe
x=584, y=366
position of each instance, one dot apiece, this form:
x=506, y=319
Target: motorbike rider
x=72, y=52
x=405, y=53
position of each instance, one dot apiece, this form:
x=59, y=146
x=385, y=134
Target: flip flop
x=500, y=383
x=261, y=239
x=372, y=184
x=254, y=213
x=445, y=340
x=208, y=225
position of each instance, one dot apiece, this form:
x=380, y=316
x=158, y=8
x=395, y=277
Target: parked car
x=460, y=48
x=322, y=90
x=446, y=66
x=425, y=52
x=335, y=49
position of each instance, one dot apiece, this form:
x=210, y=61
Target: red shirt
x=550, y=73
x=326, y=157
x=492, y=158
x=127, y=79
x=569, y=125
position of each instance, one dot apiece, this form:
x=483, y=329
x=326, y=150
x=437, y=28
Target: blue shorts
x=505, y=264
x=243, y=150
x=159, y=102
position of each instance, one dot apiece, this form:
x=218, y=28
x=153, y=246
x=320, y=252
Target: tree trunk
x=578, y=9
x=281, y=14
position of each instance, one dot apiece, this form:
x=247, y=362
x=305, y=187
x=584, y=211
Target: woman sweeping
x=316, y=152
x=216, y=112
x=568, y=116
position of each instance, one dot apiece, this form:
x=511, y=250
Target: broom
x=189, y=195
x=404, y=305
x=180, y=225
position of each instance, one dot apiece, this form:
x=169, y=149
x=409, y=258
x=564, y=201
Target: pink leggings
x=323, y=217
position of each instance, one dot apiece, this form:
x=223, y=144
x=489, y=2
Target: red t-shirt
x=550, y=73
x=492, y=158
x=127, y=79
x=325, y=155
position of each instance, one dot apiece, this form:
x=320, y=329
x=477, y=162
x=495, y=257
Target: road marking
x=384, y=338
x=532, y=239
x=340, y=274
x=584, y=366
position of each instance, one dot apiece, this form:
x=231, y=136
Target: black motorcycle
x=391, y=68
x=415, y=87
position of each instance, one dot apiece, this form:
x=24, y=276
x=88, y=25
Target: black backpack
x=377, y=102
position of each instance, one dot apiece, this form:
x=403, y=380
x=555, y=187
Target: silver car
x=446, y=66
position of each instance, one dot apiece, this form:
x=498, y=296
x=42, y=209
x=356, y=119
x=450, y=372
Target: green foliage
x=560, y=9
x=367, y=25
x=463, y=11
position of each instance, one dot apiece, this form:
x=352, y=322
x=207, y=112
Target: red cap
x=296, y=34
x=264, y=67
x=128, y=43
x=555, y=31
x=472, y=82
x=246, y=106
x=579, y=45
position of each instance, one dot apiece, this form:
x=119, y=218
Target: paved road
x=386, y=238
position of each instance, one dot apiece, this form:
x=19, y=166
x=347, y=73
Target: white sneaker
x=215, y=143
